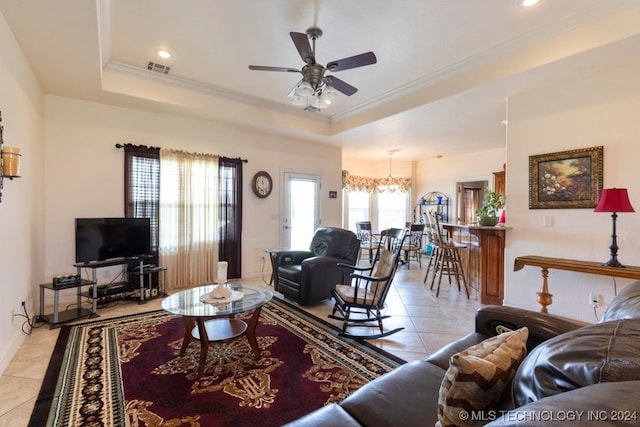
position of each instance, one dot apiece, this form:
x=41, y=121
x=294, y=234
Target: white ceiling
x=444, y=73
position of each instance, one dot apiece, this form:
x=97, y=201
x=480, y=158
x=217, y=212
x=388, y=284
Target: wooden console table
x=589, y=267
x=491, y=241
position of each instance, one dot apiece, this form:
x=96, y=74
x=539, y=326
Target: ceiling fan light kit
x=305, y=89
x=316, y=91
x=297, y=99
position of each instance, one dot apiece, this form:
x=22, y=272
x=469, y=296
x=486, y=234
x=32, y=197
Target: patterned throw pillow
x=477, y=377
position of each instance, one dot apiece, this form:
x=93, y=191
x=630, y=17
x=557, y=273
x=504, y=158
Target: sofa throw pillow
x=477, y=376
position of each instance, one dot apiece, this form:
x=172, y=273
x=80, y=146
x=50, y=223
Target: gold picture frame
x=566, y=179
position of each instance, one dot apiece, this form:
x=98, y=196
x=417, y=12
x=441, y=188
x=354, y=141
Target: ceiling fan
x=321, y=88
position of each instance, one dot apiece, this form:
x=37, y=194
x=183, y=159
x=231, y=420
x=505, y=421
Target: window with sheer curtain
x=189, y=217
x=358, y=208
x=392, y=210
x=384, y=210
x=383, y=201
x=196, y=214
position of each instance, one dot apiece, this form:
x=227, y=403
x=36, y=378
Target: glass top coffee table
x=210, y=322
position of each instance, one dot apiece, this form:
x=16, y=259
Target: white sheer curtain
x=188, y=236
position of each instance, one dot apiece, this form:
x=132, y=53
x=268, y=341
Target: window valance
x=375, y=185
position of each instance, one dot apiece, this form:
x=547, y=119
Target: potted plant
x=491, y=204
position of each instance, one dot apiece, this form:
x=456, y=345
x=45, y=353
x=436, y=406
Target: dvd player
x=66, y=279
x=115, y=288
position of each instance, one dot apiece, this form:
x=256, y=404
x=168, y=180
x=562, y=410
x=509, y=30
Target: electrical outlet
x=13, y=315
x=594, y=298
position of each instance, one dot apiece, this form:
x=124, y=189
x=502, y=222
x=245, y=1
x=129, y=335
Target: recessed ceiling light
x=528, y=3
x=163, y=53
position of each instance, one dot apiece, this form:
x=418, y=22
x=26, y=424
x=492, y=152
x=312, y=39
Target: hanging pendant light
x=387, y=183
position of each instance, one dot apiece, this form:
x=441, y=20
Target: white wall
x=597, y=111
x=21, y=214
x=85, y=178
x=443, y=173
x=377, y=168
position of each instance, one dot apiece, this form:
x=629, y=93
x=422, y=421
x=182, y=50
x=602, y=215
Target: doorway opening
x=301, y=211
x=469, y=196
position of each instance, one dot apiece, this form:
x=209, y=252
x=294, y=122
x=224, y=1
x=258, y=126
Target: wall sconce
x=9, y=160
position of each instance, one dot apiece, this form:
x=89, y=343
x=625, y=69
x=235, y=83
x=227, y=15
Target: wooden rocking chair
x=361, y=302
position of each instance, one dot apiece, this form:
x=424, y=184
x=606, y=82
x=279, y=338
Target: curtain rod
x=118, y=145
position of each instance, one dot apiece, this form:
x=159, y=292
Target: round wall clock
x=262, y=184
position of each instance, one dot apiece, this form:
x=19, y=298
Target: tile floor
x=429, y=324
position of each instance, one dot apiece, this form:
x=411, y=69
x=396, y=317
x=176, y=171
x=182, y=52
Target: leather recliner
x=307, y=277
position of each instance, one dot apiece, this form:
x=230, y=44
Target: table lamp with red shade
x=614, y=200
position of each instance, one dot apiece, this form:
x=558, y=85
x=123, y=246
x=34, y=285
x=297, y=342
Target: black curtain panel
x=142, y=187
x=230, y=188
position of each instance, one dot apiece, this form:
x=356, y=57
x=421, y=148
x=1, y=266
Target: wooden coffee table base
x=218, y=329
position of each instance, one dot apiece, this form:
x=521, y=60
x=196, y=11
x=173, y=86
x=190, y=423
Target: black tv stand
x=142, y=290
x=58, y=317
x=142, y=270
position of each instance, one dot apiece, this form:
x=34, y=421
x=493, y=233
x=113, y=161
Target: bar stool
x=447, y=260
x=432, y=242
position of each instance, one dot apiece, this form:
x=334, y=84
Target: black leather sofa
x=574, y=373
x=307, y=277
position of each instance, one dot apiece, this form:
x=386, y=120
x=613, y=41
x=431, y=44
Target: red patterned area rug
x=129, y=371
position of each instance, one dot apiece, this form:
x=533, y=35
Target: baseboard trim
x=10, y=349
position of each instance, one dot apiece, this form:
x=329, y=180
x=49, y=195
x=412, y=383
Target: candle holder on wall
x=9, y=160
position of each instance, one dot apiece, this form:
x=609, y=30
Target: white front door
x=301, y=211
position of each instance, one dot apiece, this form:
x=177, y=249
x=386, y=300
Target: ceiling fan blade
x=264, y=68
x=301, y=41
x=341, y=85
x=352, y=62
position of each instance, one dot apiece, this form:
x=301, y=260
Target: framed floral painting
x=566, y=179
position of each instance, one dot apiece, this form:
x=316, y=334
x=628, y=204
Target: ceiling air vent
x=158, y=68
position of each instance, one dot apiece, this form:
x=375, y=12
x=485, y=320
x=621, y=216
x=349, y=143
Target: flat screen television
x=99, y=239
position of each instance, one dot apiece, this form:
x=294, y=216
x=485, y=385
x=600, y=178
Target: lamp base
x=613, y=262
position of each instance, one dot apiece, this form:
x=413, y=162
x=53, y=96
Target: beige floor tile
x=401, y=341
x=440, y=325
x=409, y=356
x=16, y=391
x=434, y=342
x=18, y=416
